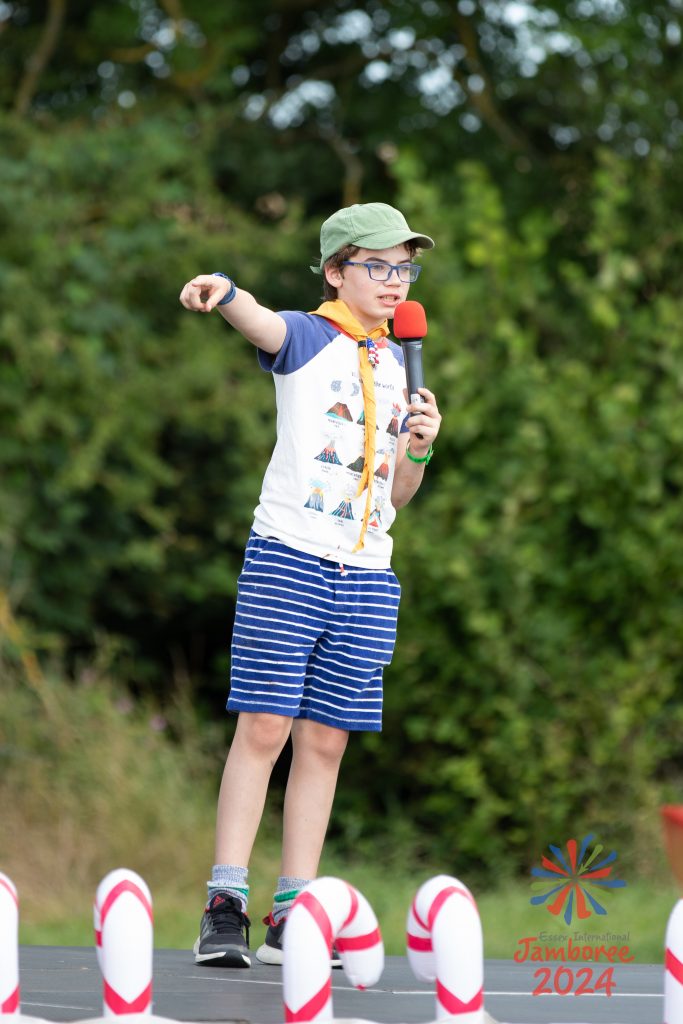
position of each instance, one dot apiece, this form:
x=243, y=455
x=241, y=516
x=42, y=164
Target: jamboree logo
x=572, y=883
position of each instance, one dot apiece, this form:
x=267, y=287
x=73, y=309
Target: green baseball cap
x=369, y=226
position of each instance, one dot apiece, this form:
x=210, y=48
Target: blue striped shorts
x=311, y=637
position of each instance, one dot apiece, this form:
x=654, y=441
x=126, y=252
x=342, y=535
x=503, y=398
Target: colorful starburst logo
x=573, y=880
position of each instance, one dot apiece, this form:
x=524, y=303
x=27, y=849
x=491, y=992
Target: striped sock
x=230, y=878
x=286, y=892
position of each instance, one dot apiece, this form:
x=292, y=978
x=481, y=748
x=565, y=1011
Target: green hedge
x=536, y=689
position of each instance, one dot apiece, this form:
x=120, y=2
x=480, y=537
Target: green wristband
x=426, y=459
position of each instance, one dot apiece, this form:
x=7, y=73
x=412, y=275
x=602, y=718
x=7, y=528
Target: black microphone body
x=410, y=327
x=412, y=360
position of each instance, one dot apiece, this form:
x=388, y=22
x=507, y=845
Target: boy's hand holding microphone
x=410, y=327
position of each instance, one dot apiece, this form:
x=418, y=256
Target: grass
x=506, y=915
x=90, y=782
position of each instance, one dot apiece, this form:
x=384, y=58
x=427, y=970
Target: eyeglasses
x=406, y=272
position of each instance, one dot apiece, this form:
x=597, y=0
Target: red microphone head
x=409, y=320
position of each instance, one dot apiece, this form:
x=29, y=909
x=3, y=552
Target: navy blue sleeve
x=397, y=352
x=307, y=335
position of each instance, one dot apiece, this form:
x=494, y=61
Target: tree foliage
x=138, y=433
x=537, y=683
x=539, y=671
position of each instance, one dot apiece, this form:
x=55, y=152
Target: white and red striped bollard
x=328, y=911
x=9, y=946
x=445, y=945
x=124, y=939
x=9, y=955
x=673, y=977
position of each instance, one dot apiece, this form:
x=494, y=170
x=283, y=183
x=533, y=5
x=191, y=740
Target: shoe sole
x=266, y=954
x=269, y=955
x=226, y=958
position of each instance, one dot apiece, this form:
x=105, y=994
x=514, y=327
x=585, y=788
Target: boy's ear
x=333, y=276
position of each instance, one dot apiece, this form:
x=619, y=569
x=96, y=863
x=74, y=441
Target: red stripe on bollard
x=10, y=890
x=11, y=1004
x=118, y=1005
x=453, y=1005
x=359, y=941
x=422, y=924
x=125, y=886
x=354, y=907
x=439, y=901
x=674, y=966
x=317, y=912
x=312, y=1008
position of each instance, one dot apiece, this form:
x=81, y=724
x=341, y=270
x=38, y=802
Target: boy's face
x=370, y=301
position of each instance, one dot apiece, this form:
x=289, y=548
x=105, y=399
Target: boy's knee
x=264, y=733
x=322, y=742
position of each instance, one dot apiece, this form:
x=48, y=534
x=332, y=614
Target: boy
x=317, y=600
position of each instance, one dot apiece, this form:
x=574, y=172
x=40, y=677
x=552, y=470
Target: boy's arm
x=259, y=325
x=425, y=419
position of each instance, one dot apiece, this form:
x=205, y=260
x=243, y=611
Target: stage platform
x=64, y=984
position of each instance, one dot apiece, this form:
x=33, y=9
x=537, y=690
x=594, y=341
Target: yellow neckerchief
x=340, y=315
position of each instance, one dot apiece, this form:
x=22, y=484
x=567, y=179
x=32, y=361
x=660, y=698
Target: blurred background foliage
x=536, y=688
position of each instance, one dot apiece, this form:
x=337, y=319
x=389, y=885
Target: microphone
x=410, y=327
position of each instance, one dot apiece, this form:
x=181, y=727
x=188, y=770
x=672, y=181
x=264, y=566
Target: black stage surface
x=64, y=984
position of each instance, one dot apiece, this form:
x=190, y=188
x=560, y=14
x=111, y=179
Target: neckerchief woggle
x=338, y=313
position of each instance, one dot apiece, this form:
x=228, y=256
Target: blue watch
x=230, y=295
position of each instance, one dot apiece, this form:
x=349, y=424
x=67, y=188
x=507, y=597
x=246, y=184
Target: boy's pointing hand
x=203, y=292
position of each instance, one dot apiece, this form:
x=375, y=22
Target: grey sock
x=286, y=892
x=230, y=878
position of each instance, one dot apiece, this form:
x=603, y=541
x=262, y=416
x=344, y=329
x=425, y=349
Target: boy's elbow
x=399, y=498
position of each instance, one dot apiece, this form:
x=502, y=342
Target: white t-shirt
x=308, y=500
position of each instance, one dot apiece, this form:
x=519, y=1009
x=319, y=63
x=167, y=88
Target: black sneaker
x=223, y=933
x=271, y=950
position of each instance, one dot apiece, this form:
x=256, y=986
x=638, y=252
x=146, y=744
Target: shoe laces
x=227, y=910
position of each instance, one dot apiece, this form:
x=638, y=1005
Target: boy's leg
x=317, y=751
x=224, y=929
x=256, y=746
